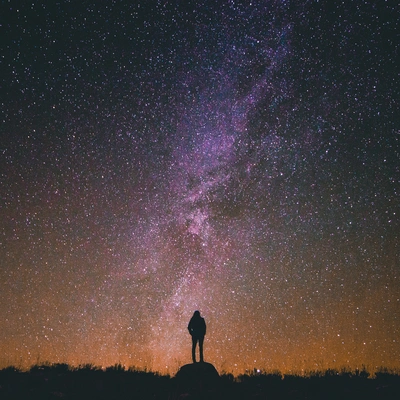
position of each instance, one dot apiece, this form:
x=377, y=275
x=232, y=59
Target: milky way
x=163, y=157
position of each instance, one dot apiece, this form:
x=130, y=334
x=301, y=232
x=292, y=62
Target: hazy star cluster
x=240, y=158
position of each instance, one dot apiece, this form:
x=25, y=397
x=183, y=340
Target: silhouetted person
x=197, y=328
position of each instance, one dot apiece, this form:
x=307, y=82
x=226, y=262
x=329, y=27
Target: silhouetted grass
x=60, y=381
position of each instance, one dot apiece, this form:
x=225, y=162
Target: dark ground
x=89, y=382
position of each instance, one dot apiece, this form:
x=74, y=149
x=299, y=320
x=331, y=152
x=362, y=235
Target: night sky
x=239, y=158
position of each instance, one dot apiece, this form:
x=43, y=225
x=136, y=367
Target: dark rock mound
x=197, y=378
x=198, y=371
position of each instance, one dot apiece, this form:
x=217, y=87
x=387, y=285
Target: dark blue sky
x=239, y=158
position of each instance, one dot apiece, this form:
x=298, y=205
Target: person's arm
x=190, y=327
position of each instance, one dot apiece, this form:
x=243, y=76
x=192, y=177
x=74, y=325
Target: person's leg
x=201, y=341
x=194, y=342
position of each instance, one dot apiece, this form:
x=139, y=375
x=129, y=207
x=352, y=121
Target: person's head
x=196, y=314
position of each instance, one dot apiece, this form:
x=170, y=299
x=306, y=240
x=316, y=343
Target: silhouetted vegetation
x=59, y=381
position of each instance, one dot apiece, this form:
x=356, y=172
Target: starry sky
x=239, y=158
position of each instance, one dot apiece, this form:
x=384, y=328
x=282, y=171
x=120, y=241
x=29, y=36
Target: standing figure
x=197, y=329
